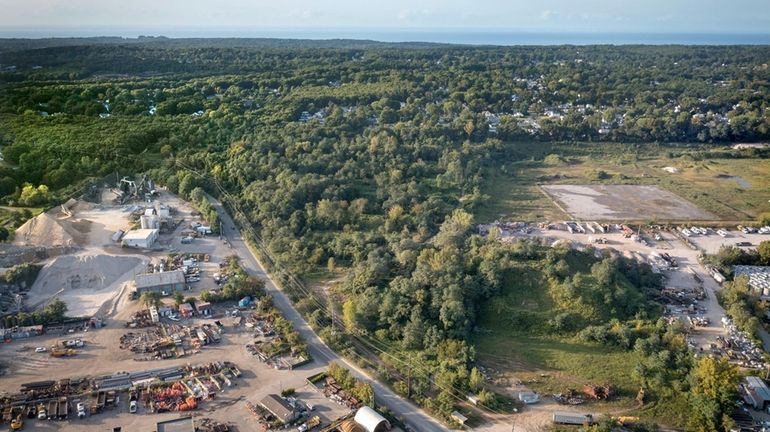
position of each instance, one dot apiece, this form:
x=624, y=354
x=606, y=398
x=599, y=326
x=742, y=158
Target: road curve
x=413, y=416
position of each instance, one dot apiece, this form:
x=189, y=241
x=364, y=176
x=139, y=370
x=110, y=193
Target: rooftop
x=277, y=406
x=759, y=387
x=140, y=234
x=759, y=276
x=178, y=425
x=163, y=278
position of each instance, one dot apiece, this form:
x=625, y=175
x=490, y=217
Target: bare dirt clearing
x=624, y=202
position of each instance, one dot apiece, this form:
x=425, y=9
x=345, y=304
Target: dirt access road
x=413, y=416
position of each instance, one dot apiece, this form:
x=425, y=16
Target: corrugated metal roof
x=277, y=406
x=759, y=387
x=162, y=278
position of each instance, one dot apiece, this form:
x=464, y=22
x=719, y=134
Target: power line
x=298, y=285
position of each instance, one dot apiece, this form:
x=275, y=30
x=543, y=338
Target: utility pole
x=409, y=382
x=331, y=309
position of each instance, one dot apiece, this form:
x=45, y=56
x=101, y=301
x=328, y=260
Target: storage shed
x=167, y=282
x=140, y=238
x=186, y=310
x=756, y=392
x=203, y=308
x=279, y=408
x=371, y=420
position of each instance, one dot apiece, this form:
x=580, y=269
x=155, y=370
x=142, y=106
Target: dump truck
x=63, y=410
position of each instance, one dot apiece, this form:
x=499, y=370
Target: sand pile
x=49, y=231
x=83, y=281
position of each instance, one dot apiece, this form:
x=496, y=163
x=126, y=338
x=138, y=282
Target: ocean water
x=467, y=37
x=520, y=38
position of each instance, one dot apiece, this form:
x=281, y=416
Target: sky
x=250, y=17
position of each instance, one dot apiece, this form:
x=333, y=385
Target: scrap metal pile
x=165, y=341
x=569, y=398
x=270, y=346
x=173, y=398
x=597, y=392
x=333, y=391
x=199, y=383
x=209, y=425
x=738, y=348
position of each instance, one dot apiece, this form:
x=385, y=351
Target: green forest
x=366, y=163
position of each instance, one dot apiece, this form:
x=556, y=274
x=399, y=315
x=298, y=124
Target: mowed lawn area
x=733, y=189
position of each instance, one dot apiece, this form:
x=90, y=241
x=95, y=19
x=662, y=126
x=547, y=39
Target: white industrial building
x=140, y=238
x=149, y=222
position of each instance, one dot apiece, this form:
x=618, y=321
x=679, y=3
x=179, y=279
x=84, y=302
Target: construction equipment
x=128, y=187
x=17, y=423
x=58, y=352
x=313, y=422
x=626, y=420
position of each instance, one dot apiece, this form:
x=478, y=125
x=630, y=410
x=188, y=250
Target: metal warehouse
x=167, y=282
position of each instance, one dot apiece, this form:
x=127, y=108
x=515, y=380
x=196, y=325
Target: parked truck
x=17, y=423
x=63, y=409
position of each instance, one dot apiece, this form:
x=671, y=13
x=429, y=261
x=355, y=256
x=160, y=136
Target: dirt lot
x=624, y=202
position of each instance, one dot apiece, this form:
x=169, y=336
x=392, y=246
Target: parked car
x=41, y=349
x=132, y=407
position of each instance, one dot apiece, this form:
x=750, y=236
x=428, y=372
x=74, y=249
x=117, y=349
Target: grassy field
x=733, y=189
x=511, y=340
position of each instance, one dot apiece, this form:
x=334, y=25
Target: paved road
x=413, y=416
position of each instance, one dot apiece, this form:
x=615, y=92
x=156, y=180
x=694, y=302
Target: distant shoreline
x=494, y=38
